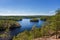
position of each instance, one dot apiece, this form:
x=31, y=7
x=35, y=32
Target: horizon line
x=27, y=14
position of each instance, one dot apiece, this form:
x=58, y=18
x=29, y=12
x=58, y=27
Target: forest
x=50, y=27
x=47, y=30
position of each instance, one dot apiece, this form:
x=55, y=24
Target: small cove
x=25, y=25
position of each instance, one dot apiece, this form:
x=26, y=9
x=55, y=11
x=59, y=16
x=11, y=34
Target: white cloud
x=52, y=12
x=23, y=13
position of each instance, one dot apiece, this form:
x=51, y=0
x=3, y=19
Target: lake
x=26, y=25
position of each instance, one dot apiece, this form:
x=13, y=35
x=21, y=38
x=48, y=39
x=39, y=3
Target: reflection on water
x=25, y=25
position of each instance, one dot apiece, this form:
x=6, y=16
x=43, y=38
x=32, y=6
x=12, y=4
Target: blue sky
x=27, y=7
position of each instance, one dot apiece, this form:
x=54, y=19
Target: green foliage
x=6, y=23
x=23, y=36
x=53, y=24
x=45, y=30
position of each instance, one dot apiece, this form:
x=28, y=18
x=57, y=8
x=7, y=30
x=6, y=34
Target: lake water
x=26, y=25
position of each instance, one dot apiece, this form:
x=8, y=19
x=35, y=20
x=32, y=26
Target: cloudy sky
x=29, y=7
